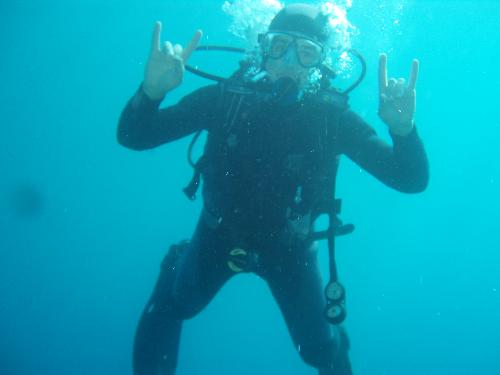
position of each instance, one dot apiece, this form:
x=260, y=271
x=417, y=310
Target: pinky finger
x=413, y=74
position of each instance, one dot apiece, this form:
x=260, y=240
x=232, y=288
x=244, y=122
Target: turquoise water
x=84, y=223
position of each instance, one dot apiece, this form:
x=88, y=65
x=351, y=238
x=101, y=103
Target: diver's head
x=294, y=42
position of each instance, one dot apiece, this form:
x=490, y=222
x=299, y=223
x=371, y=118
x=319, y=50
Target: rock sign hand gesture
x=165, y=66
x=397, y=99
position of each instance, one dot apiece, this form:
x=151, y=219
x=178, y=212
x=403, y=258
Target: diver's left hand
x=397, y=99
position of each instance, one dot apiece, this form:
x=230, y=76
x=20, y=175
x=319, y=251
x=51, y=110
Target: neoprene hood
x=302, y=18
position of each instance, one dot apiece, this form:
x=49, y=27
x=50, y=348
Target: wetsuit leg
x=187, y=283
x=157, y=337
x=296, y=284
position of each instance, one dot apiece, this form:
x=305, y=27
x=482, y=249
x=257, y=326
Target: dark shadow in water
x=26, y=200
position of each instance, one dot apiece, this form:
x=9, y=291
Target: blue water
x=84, y=222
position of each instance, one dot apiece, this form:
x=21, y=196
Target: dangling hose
x=212, y=77
x=324, y=68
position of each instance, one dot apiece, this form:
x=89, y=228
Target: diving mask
x=275, y=44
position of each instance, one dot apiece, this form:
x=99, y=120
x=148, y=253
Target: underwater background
x=85, y=223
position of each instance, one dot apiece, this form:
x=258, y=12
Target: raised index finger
x=186, y=53
x=382, y=73
x=155, y=39
x=412, y=82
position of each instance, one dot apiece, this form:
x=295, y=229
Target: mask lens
x=276, y=45
x=309, y=52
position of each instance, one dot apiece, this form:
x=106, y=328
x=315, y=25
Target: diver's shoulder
x=209, y=89
x=206, y=93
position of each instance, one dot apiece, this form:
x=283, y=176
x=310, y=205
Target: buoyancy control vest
x=273, y=160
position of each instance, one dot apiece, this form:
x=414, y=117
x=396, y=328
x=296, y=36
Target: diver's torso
x=266, y=161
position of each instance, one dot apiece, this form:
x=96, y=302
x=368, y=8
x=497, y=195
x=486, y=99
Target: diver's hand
x=397, y=99
x=165, y=67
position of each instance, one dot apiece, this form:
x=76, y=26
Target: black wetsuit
x=268, y=171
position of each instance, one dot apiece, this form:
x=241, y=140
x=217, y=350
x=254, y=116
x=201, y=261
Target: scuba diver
x=268, y=170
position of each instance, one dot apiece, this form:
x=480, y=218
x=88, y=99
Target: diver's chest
x=273, y=136
x=272, y=145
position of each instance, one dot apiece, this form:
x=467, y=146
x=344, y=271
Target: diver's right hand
x=165, y=67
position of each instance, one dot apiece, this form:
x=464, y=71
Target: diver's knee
x=171, y=259
x=186, y=298
x=185, y=307
x=167, y=298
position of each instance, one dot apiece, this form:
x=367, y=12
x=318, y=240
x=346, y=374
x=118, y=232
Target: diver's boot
x=341, y=364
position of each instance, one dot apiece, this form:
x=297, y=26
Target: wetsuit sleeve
x=402, y=165
x=143, y=125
